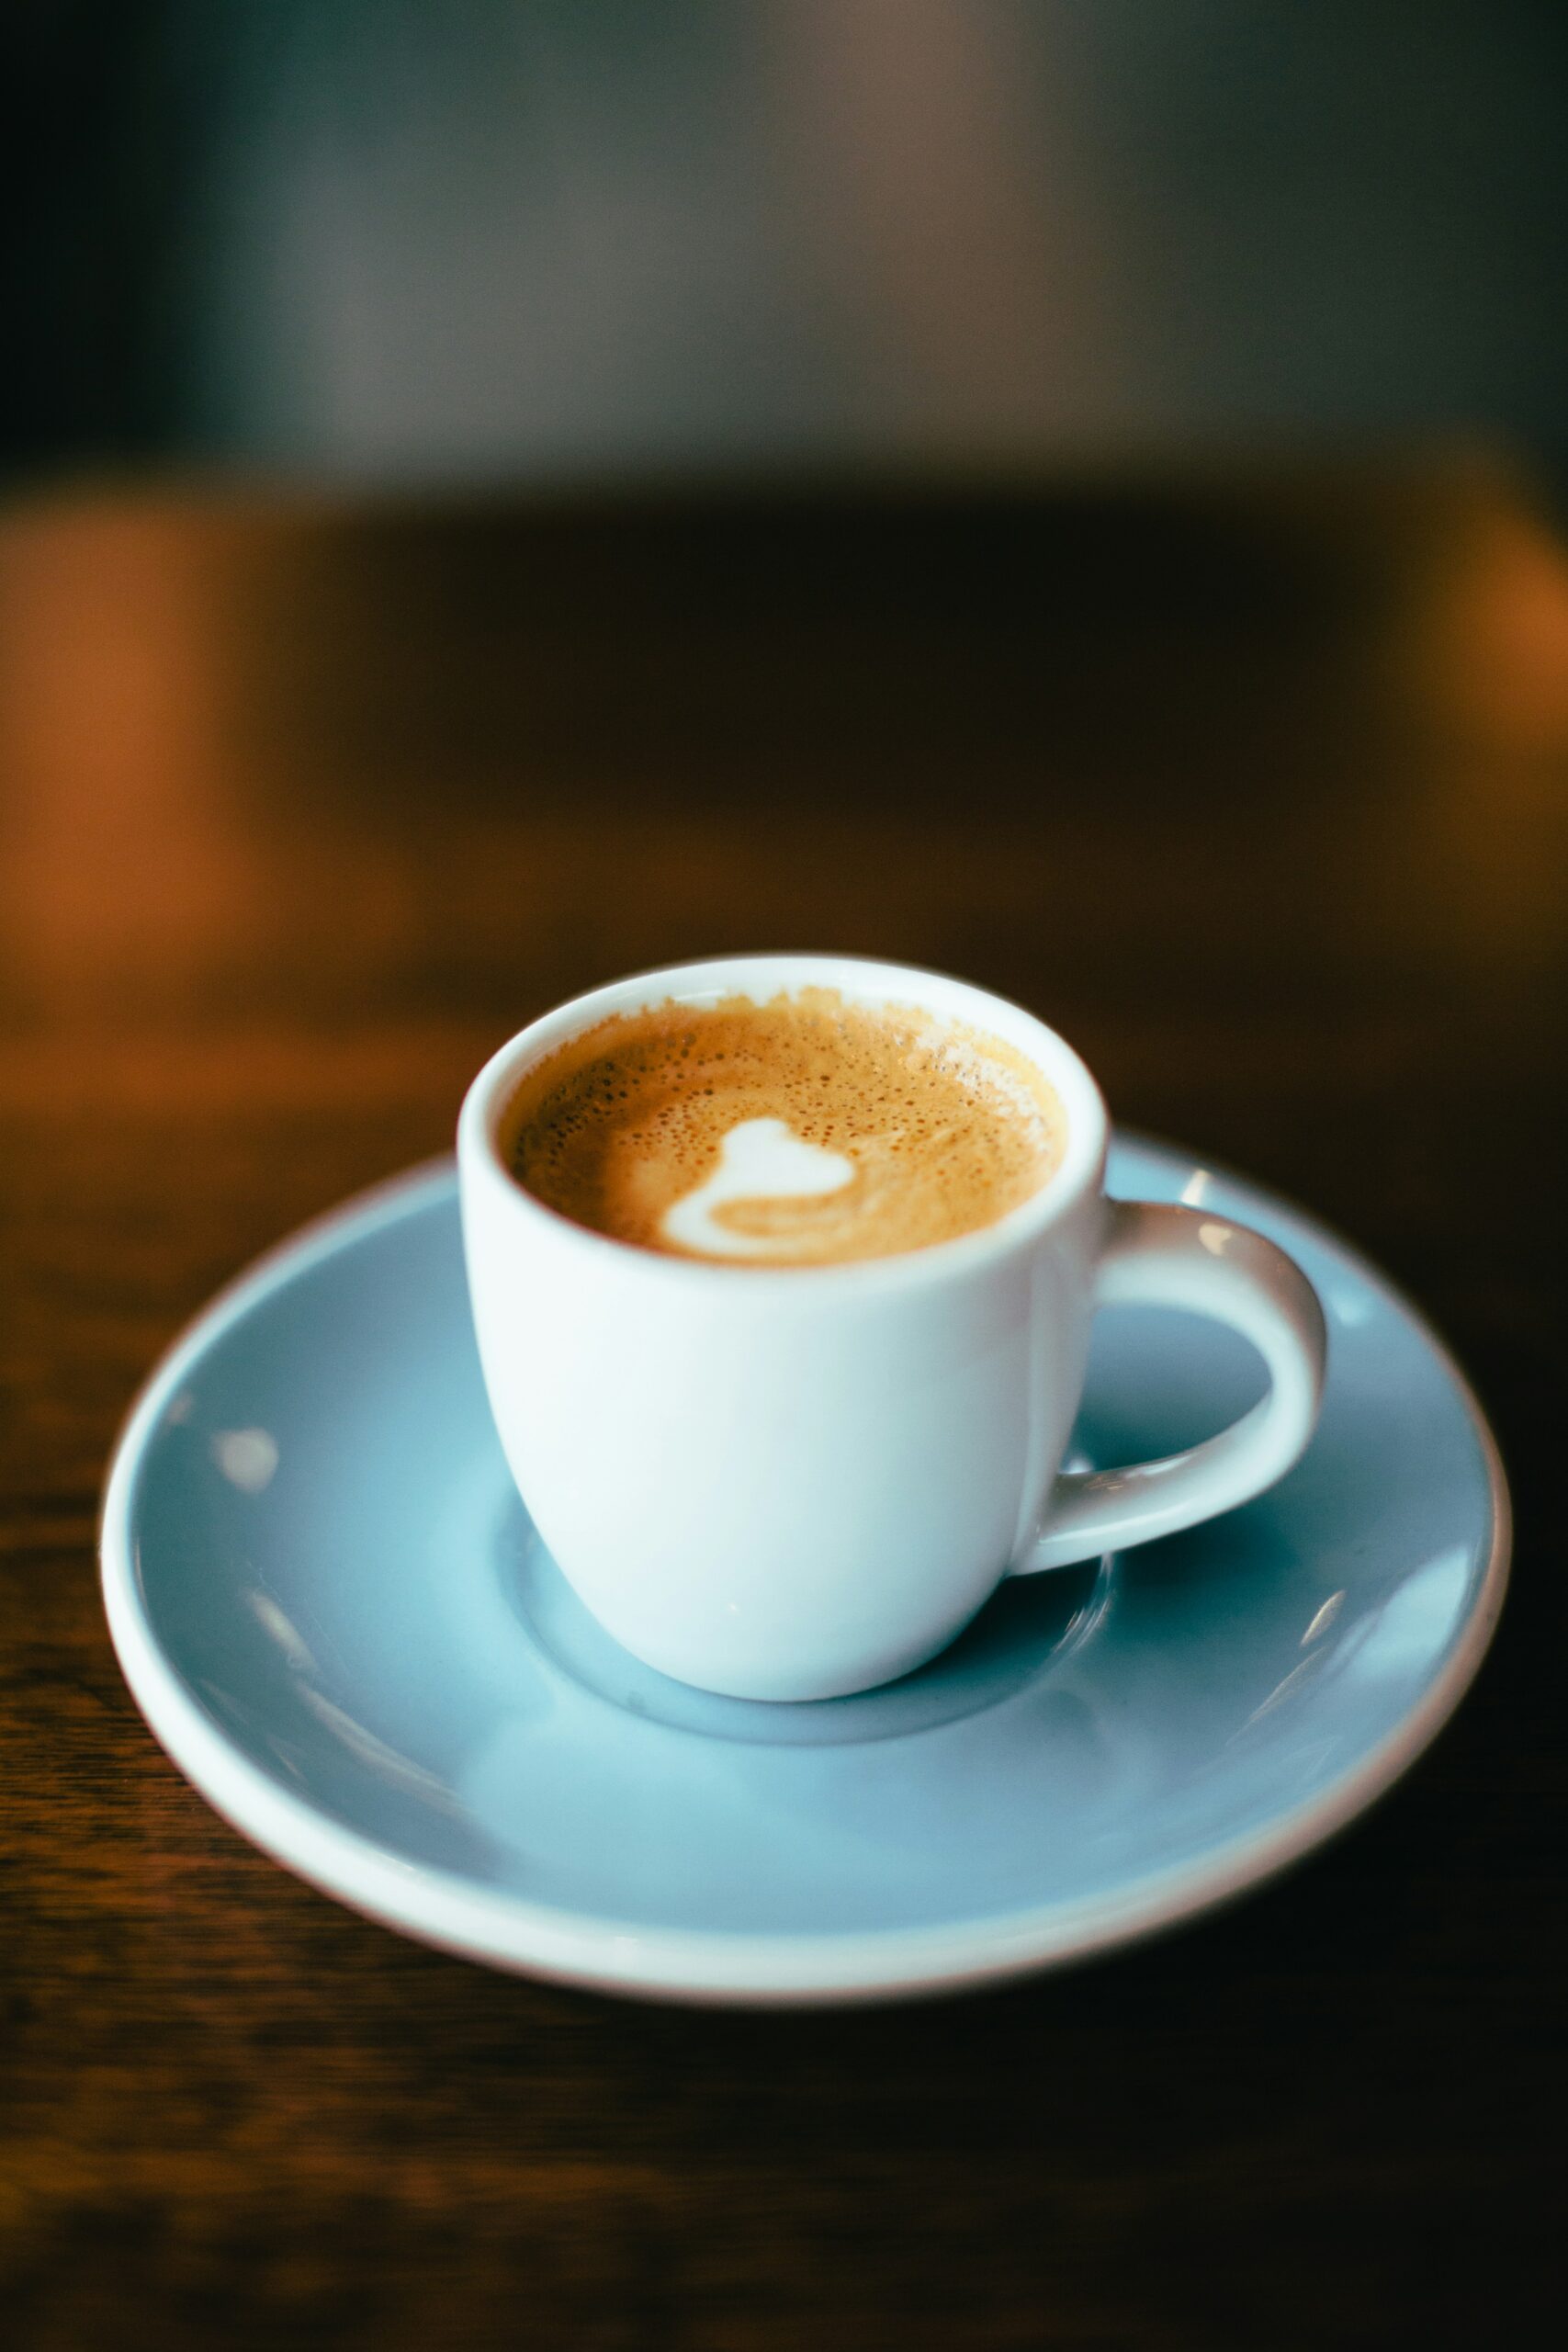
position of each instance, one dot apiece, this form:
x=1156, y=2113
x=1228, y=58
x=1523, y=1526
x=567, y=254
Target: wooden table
x=1254, y=786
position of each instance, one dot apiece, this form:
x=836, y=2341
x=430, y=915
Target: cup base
x=1026, y=1627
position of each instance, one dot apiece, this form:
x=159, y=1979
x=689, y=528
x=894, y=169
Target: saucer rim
x=711, y=1966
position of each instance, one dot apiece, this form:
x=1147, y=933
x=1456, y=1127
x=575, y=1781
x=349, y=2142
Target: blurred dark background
x=521, y=239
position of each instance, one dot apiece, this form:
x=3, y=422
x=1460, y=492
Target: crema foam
x=806, y=1131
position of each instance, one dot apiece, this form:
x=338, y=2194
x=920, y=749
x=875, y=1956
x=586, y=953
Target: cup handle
x=1159, y=1256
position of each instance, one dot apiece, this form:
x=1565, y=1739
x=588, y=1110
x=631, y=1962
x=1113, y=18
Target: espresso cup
x=793, y=1483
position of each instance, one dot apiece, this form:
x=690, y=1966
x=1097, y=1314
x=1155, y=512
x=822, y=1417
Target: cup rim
x=863, y=978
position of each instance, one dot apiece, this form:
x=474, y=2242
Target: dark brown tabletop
x=1252, y=786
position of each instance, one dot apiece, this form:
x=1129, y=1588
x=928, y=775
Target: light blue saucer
x=337, y=1619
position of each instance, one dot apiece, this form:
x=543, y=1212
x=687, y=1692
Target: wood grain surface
x=1254, y=786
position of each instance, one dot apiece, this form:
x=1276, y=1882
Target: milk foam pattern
x=759, y=1160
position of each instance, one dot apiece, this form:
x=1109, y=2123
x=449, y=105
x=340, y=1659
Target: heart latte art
x=758, y=1160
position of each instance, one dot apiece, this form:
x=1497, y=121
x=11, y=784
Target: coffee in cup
x=804, y=1130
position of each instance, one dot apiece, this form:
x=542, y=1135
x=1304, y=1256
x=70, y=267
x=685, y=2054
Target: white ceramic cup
x=793, y=1483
